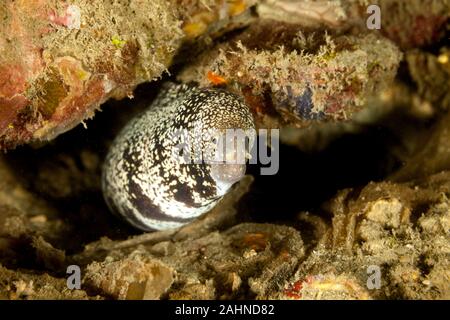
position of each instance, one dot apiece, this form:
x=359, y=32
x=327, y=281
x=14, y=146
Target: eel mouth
x=225, y=175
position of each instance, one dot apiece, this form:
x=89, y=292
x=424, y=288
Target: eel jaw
x=225, y=175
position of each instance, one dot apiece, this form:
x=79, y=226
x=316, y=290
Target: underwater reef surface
x=364, y=155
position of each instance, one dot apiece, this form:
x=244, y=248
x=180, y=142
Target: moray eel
x=142, y=180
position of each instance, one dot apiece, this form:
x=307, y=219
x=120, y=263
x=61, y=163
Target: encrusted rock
x=133, y=278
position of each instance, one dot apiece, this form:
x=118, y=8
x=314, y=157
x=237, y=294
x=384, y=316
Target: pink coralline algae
x=60, y=61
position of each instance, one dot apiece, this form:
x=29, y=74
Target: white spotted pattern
x=141, y=180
